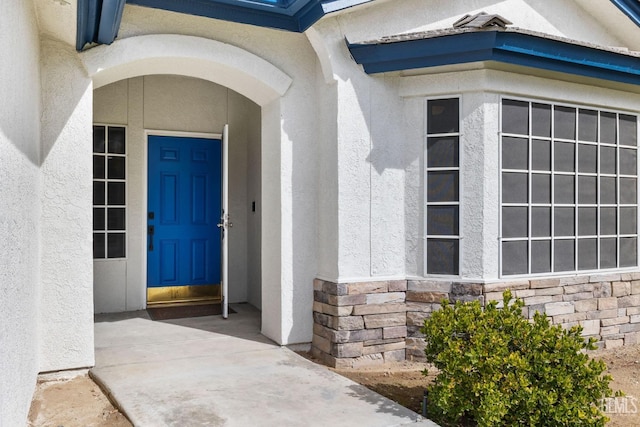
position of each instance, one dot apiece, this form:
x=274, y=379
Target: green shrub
x=496, y=368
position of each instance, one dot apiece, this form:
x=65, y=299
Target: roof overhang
x=99, y=20
x=415, y=51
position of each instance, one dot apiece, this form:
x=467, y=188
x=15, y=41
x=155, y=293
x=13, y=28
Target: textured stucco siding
x=66, y=297
x=380, y=133
x=333, y=158
x=563, y=18
x=480, y=91
x=19, y=209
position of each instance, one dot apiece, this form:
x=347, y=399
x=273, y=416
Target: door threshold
x=184, y=295
x=178, y=303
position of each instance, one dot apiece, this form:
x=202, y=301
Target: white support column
x=66, y=300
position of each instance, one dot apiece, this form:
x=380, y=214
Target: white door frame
x=145, y=181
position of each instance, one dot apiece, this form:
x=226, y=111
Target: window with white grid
x=569, y=178
x=442, y=183
x=109, y=192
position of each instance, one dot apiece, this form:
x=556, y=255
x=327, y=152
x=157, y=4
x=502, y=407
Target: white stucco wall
x=20, y=209
x=332, y=160
x=186, y=105
x=328, y=239
x=561, y=18
x=254, y=217
x=380, y=131
x=366, y=165
x=66, y=298
x=340, y=187
x=480, y=91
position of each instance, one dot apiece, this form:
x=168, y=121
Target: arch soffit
x=198, y=57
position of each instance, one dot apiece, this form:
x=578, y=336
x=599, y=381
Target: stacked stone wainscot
x=359, y=323
x=374, y=322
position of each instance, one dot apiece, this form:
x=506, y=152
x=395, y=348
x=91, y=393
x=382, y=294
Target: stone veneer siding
x=374, y=322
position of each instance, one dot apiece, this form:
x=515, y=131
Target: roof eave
x=98, y=21
x=501, y=46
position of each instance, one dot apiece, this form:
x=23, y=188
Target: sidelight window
x=109, y=192
x=442, y=183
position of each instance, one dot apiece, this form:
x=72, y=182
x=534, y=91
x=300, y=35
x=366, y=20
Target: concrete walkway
x=206, y=371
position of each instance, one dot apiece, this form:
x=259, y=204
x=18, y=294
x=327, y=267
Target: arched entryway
x=188, y=87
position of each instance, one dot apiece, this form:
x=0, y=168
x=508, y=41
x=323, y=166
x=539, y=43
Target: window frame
x=576, y=174
x=105, y=231
x=425, y=196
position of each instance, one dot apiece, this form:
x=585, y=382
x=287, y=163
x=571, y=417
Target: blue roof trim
x=87, y=23
x=508, y=47
x=631, y=8
x=110, y=20
x=255, y=14
x=99, y=20
x=295, y=16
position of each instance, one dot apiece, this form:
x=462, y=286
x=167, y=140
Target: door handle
x=224, y=225
x=151, y=230
x=224, y=222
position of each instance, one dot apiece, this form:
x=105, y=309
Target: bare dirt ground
x=80, y=402
x=403, y=382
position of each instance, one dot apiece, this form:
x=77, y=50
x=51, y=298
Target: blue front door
x=184, y=206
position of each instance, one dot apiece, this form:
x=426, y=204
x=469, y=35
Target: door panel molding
x=196, y=180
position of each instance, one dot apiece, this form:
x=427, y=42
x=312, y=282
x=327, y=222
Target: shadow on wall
x=380, y=105
x=301, y=132
x=64, y=84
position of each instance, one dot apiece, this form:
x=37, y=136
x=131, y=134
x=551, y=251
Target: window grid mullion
x=596, y=214
x=553, y=192
x=598, y=191
x=530, y=195
x=576, y=190
x=617, y=190
x=637, y=183
x=105, y=156
x=106, y=190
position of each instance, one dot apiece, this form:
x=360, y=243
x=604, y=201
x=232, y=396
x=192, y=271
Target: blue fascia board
x=98, y=21
x=631, y=8
x=385, y=57
x=110, y=19
x=309, y=15
x=507, y=47
x=297, y=16
x=224, y=11
x=88, y=19
x=566, y=57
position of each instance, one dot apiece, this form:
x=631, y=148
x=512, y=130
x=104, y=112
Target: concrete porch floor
x=206, y=371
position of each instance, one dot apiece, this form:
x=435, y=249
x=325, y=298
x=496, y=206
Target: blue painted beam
x=261, y=15
x=98, y=21
x=507, y=47
x=88, y=18
x=631, y=8
x=293, y=15
x=110, y=19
